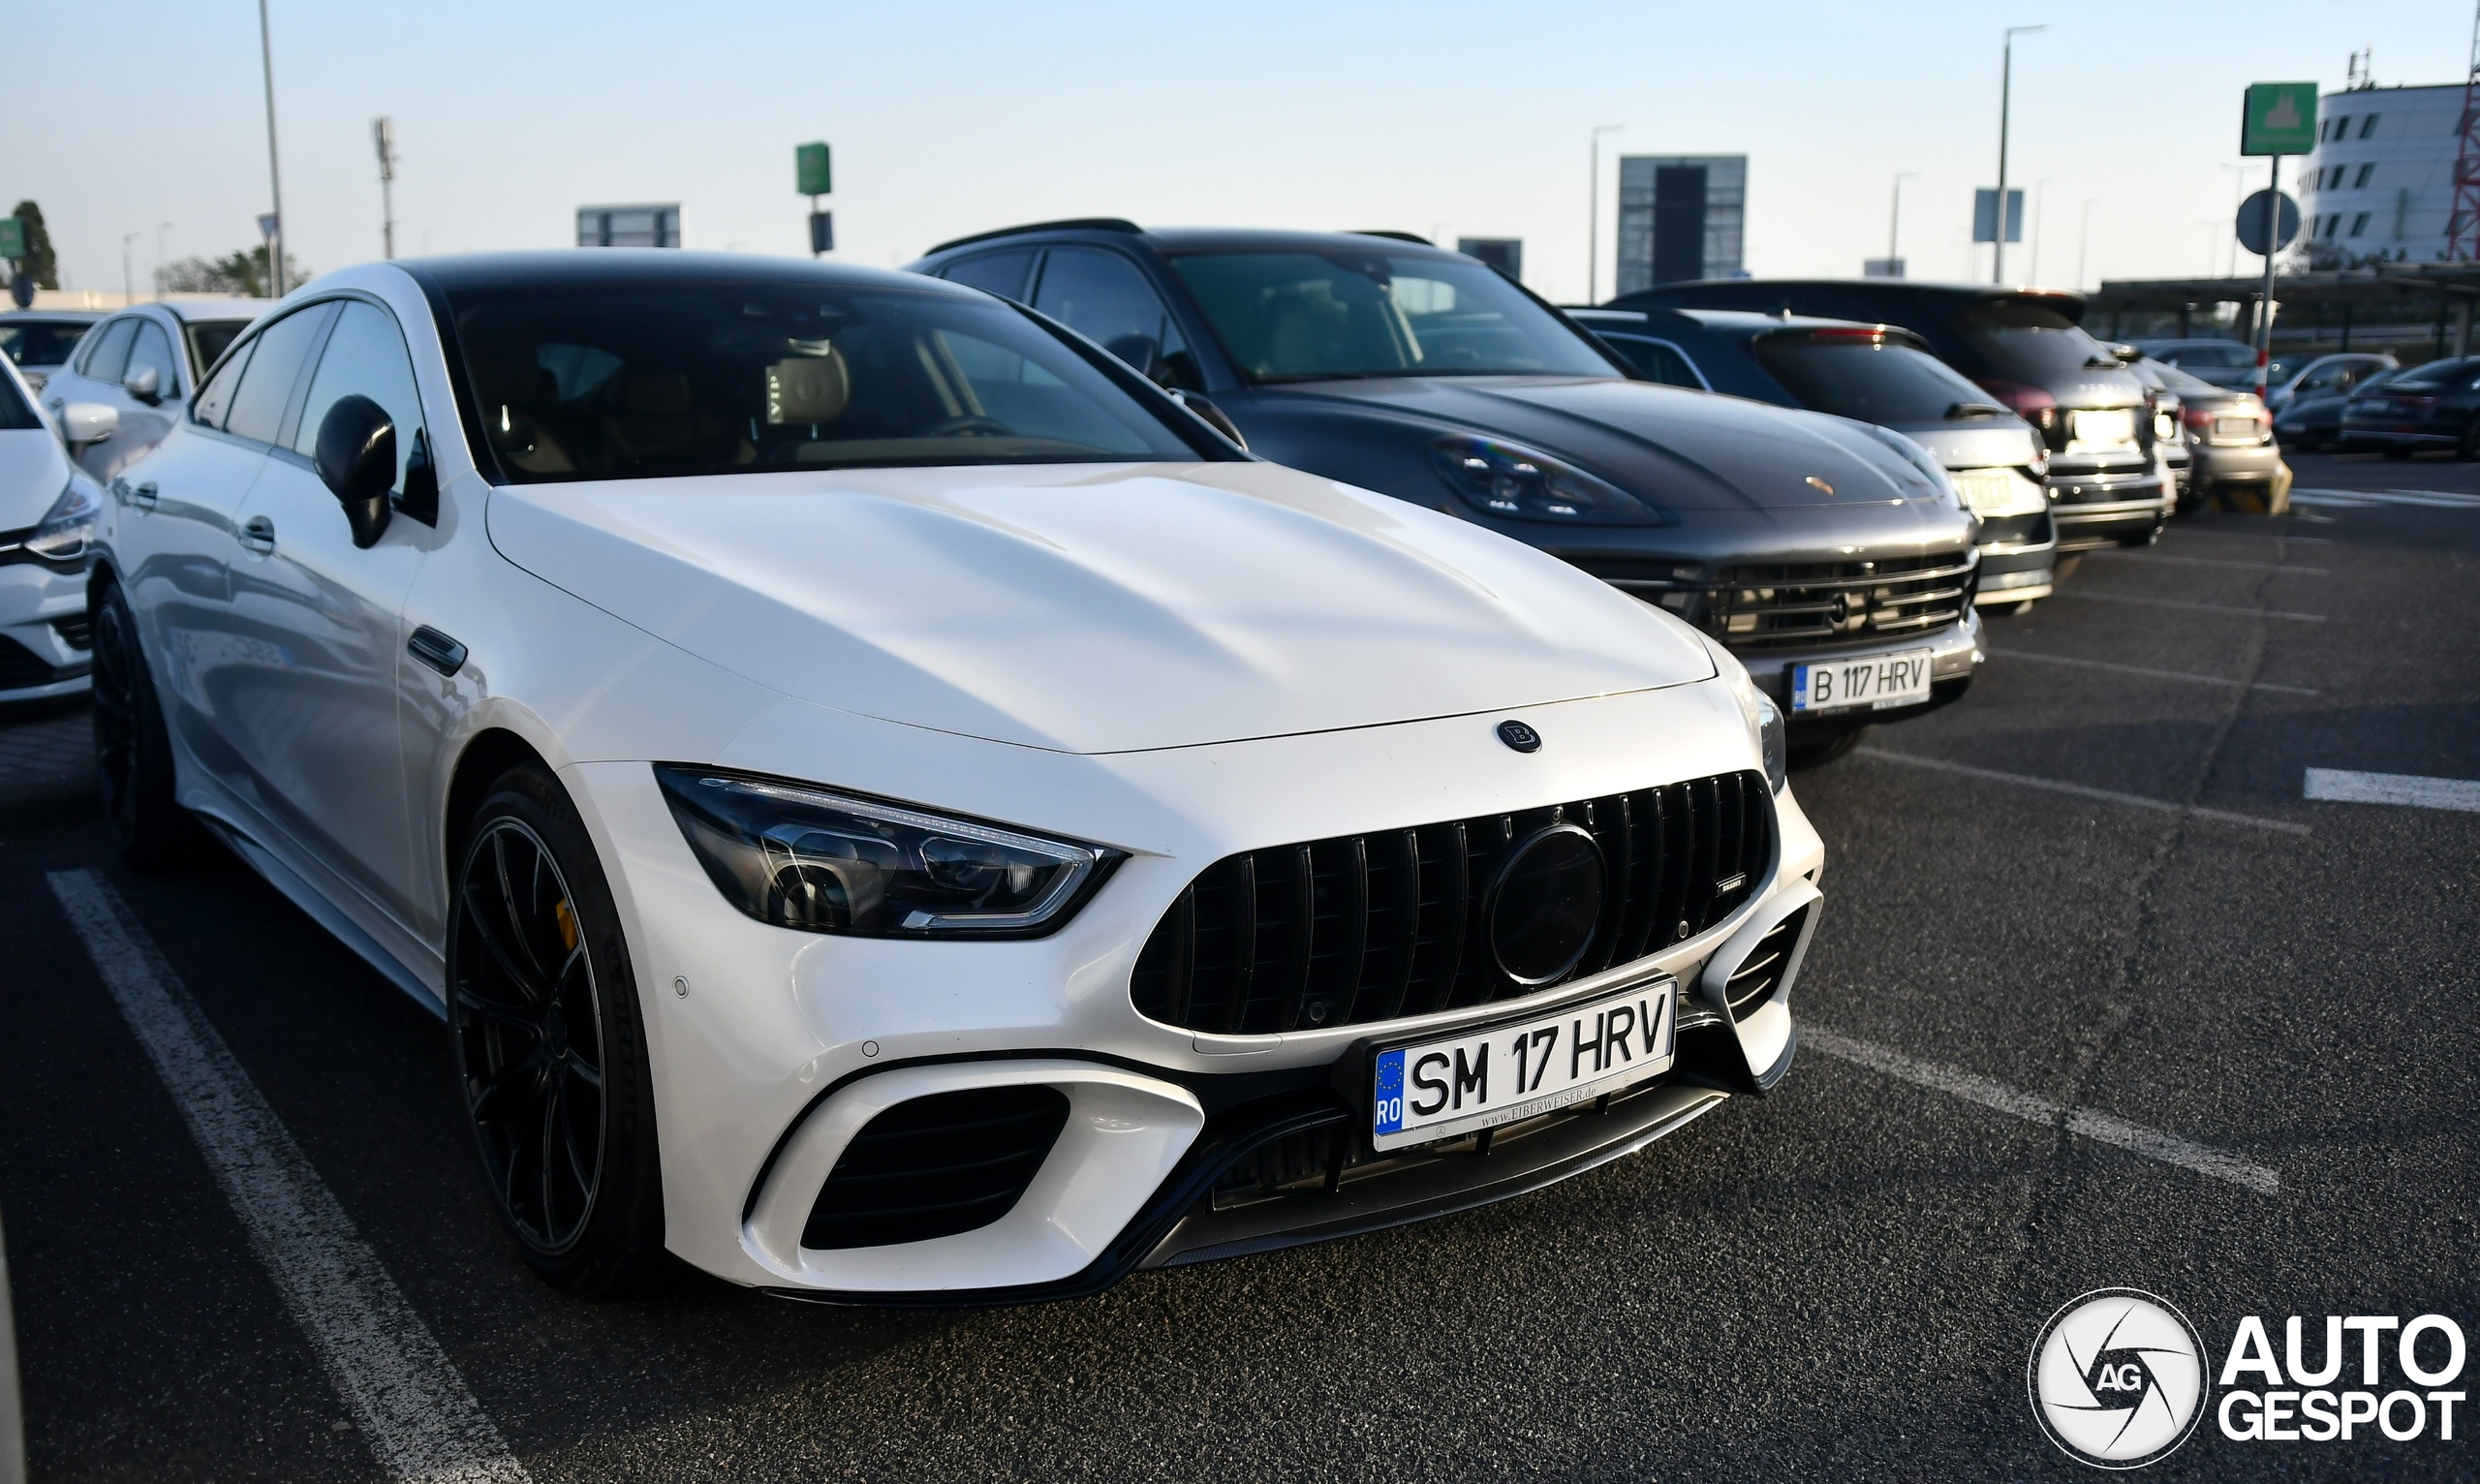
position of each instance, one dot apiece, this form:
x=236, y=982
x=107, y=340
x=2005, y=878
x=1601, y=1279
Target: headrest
x=807, y=388
x=658, y=395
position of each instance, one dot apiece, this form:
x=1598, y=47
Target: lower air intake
x=936, y=1166
x=1755, y=979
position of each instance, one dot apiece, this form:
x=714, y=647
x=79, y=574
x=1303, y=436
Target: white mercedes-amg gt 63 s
x=894, y=808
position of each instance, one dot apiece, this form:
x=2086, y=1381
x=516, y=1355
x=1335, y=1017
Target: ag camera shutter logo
x=2117, y=1378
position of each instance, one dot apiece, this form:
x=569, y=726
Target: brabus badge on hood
x=1523, y=738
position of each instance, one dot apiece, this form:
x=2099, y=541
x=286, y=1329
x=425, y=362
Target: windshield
x=1874, y=379
x=2025, y=338
x=2170, y=378
x=601, y=381
x=40, y=344
x=209, y=339
x=15, y=417
x=1312, y=316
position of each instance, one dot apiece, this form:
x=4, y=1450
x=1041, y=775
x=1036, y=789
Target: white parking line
x=2193, y=608
x=2154, y=558
x=2150, y=674
x=414, y=1409
x=2102, y=1127
x=2081, y=790
x=2361, y=499
x=2340, y=785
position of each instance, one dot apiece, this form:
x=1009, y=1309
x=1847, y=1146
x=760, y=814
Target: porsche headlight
x=824, y=862
x=68, y=528
x=1503, y=479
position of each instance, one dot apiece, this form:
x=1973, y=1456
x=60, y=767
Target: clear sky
x=1441, y=118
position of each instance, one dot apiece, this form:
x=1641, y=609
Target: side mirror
x=145, y=383
x=85, y=422
x=356, y=460
x=1144, y=352
x=2128, y=355
x=1212, y=416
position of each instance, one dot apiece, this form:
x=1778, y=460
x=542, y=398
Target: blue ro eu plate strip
x=1388, y=1101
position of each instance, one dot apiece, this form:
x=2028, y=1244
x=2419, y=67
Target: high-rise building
x=2381, y=178
x=1504, y=254
x=1680, y=217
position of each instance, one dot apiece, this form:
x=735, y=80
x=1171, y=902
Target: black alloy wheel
x=549, y=1054
x=133, y=748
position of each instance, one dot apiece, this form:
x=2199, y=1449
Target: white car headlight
x=68, y=528
x=1763, y=717
x=821, y=862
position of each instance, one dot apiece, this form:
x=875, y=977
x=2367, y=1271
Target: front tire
x=549, y=1043
x=134, y=748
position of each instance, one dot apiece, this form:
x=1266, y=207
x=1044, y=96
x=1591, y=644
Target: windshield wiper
x=1963, y=410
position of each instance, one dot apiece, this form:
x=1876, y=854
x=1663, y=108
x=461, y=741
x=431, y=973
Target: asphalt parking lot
x=2099, y=998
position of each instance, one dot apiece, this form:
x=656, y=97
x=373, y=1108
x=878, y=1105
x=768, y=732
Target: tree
x=41, y=264
x=243, y=273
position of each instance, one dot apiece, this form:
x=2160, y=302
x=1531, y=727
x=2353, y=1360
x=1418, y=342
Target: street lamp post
x=2005, y=103
x=2040, y=194
x=2082, y=247
x=1593, y=213
x=161, y=228
x=383, y=134
x=275, y=176
x=128, y=283
x=1894, y=220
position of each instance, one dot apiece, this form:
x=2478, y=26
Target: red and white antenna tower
x=2463, y=226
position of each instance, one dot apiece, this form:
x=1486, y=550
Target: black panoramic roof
x=1211, y=239
x=638, y=267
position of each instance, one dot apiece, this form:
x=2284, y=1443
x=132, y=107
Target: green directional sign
x=811, y=165
x=2280, y=119
x=13, y=237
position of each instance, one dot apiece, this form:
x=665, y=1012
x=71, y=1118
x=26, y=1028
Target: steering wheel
x=971, y=425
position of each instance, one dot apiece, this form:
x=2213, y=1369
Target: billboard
x=640, y=226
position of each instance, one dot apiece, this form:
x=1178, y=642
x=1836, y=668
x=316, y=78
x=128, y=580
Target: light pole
x=2082, y=247
x=1592, y=212
x=1894, y=220
x=2005, y=103
x=161, y=228
x=2238, y=188
x=128, y=283
x=275, y=176
x=383, y=133
x=2040, y=194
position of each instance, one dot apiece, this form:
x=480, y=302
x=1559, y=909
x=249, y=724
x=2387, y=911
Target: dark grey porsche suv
x=1834, y=558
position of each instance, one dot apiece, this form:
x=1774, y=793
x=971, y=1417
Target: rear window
x=2171, y=379
x=1869, y=379
x=15, y=417
x=596, y=381
x=38, y=343
x=209, y=339
x=2028, y=339
x=2439, y=373
x=2219, y=356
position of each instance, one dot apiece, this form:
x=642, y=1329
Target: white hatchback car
x=48, y=510
x=143, y=363
x=895, y=809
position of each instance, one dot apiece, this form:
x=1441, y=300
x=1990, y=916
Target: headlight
x=68, y=528
x=1503, y=479
x=827, y=862
x=1764, y=718
x=1918, y=458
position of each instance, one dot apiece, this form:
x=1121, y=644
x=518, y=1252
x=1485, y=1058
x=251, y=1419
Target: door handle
x=143, y=496
x=259, y=535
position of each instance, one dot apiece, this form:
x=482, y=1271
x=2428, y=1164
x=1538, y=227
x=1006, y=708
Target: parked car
x=2220, y=362
x=2436, y=406
x=2329, y=374
x=2314, y=422
x=1831, y=556
x=1871, y=373
x=2227, y=433
x=143, y=363
x=40, y=340
x=894, y=809
x=47, y=510
x=2027, y=350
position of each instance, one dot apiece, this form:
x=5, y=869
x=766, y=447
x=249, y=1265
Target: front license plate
x=1879, y=682
x=1461, y=1084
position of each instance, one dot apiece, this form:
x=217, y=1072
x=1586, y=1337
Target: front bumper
x=2236, y=463
x=772, y=1048
x=2101, y=511
x=45, y=646
x=1954, y=655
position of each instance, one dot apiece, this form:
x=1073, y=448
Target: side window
x=274, y=370
x=152, y=351
x=1103, y=296
x=366, y=357
x=1655, y=362
x=110, y=351
x=1000, y=273
x=215, y=398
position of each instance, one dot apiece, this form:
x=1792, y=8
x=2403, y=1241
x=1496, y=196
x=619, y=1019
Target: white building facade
x=2381, y=179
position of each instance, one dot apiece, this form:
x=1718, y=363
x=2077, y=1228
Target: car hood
x=32, y=472
x=1684, y=450
x=1093, y=608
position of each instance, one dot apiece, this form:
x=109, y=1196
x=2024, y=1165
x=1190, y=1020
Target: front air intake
x=936, y=1166
x=1373, y=927
x=1757, y=976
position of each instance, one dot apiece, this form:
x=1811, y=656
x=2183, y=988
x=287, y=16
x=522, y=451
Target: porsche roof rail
x=1074, y=223
x=1400, y=236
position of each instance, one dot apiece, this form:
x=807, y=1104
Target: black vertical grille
x=1372, y=927
x=936, y=1165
